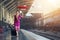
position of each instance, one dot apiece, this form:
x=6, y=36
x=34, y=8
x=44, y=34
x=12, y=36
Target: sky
x=44, y=6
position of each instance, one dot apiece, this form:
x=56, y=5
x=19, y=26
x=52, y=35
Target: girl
x=17, y=18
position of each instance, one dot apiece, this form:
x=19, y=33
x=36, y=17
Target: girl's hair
x=15, y=18
x=17, y=11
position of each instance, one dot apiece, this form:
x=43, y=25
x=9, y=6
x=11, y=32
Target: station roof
x=11, y=5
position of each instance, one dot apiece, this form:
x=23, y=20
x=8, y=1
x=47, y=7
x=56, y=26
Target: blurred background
x=39, y=15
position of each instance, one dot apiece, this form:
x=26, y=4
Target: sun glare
x=44, y=6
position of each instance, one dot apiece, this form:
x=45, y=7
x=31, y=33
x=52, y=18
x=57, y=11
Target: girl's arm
x=22, y=15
